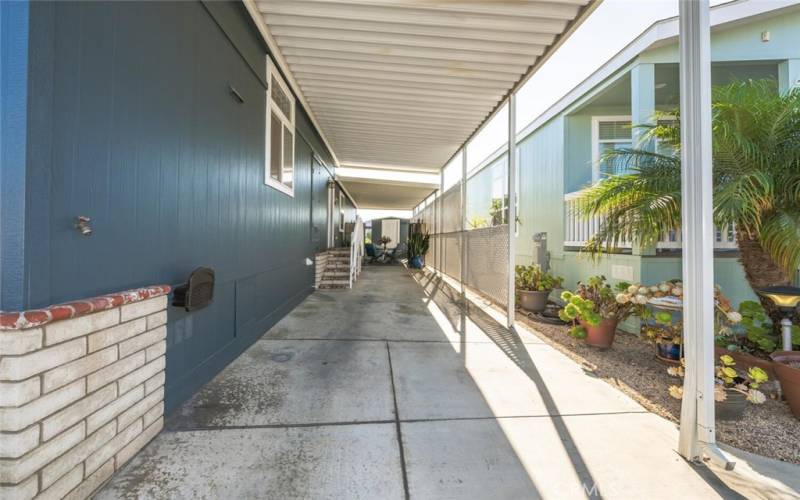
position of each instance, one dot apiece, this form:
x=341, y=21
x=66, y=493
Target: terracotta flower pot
x=533, y=301
x=602, y=335
x=732, y=408
x=789, y=377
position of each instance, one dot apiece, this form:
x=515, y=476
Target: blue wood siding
x=145, y=138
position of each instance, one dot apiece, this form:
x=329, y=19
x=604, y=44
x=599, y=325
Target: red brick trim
x=33, y=318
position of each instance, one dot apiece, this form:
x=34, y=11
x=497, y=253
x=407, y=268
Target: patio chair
x=371, y=252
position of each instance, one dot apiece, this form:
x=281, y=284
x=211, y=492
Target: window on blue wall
x=279, y=158
x=609, y=133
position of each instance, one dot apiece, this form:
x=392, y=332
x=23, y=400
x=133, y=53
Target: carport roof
x=406, y=82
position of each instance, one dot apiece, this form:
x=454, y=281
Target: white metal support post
x=512, y=204
x=697, y=436
x=463, y=233
x=439, y=204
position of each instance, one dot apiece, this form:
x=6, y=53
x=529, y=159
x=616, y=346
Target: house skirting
x=81, y=391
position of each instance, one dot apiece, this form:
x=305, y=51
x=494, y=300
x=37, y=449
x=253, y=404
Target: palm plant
x=756, y=179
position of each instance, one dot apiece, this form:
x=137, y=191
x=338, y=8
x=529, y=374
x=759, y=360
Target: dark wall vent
x=198, y=292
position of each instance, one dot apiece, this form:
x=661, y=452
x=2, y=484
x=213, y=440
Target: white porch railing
x=578, y=230
x=356, y=250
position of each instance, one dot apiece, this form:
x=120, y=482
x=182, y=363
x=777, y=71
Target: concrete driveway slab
x=342, y=461
x=481, y=380
x=295, y=382
x=596, y=456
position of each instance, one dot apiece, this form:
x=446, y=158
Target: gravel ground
x=769, y=430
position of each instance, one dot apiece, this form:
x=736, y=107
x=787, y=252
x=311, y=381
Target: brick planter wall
x=81, y=391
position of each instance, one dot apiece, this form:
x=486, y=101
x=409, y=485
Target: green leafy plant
x=385, y=240
x=418, y=244
x=754, y=334
x=756, y=183
x=596, y=300
x=532, y=278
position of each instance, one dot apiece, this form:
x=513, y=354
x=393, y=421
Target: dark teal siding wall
x=144, y=137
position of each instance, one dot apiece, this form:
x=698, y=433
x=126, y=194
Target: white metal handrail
x=356, y=250
x=579, y=230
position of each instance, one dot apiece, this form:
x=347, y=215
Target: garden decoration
x=732, y=388
x=418, y=244
x=595, y=309
x=786, y=299
x=755, y=182
x=534, y=287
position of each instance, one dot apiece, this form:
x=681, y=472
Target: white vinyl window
x=609, y=133
x=279, y=158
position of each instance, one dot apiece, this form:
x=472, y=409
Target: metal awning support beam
x=697, y=434
x=512, y=204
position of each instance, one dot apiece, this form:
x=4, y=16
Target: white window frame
x=288, y=122
x=596, y=140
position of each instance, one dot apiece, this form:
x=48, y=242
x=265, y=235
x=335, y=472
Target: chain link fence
x=486, y=256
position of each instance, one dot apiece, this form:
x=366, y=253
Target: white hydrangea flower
x=734, y=317
x=633, y=289
x=622, y=298
x=643, y=290
x=640, y=299
x=664, y=287
x=654, y=288
x=677, y=291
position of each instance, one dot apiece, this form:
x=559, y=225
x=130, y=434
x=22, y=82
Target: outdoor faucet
x=83, y=226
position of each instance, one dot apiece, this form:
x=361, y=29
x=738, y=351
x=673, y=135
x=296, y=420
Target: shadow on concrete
x=457, y=309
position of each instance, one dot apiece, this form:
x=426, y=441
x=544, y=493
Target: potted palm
x=756, y=152
x=534, y=287
x=595, y=309
x=418, y=244
x=733, y=388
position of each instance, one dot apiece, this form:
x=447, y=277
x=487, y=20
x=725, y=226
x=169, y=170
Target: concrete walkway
x=389, y=391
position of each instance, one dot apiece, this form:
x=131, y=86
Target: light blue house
x=559, y=153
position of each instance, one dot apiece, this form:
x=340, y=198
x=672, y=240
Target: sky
x=612, y=26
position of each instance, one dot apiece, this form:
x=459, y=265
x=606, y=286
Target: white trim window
x=609, y=133
x=279, y=144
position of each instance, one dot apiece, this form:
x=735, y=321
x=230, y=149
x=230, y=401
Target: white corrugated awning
x=403, y=83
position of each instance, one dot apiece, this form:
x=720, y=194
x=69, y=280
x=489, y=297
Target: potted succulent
x=595, y=309
x=534, y=287
x=665, y=330
x=733, y=389
x=787, y=368
x=418, y=244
